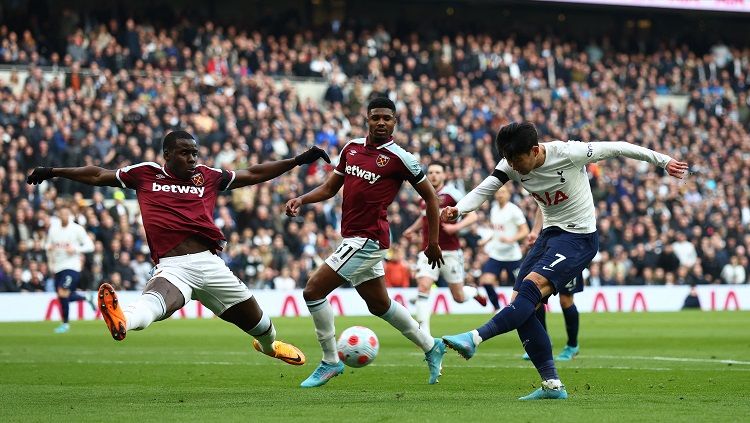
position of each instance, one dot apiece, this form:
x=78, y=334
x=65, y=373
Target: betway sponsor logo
x=181, y=189
x=357, y=171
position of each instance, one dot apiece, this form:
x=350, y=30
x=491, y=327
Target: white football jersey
x=58, y=240
x=506, y=222
x=560, y=185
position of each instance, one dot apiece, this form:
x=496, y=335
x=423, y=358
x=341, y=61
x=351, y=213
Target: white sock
x=322, y=315
x=149, y=308
x=398, y=316
x=265, y=333
x=475, y=336
x=469, y=292
x=553, y=384
x=423, y=311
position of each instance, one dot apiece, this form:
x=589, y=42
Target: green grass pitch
x=655, y=367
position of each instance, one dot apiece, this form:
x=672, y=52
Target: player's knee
x=172, y=296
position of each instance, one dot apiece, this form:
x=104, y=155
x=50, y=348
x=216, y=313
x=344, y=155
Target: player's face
x=525, y=163
x=436, y=176
x=183, y=158
x=381, y=122
x=502, y=195
x=64, y=216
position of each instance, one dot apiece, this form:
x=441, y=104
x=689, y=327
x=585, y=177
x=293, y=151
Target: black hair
x=170, y=140
x=515, y=139
x=438, y=163
x=381, y=103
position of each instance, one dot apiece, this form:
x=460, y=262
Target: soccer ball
x=358, y=346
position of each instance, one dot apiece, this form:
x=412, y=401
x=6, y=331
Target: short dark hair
x=381, y=103
x=515, y=139
x=438, y=163
x=170, y=140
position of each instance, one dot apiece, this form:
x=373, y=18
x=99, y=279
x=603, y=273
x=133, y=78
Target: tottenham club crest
x=198, y=179
x=382, y=160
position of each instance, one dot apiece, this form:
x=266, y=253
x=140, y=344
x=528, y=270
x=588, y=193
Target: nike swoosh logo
x=524, y=180
x=297, y=359
x=546, y=268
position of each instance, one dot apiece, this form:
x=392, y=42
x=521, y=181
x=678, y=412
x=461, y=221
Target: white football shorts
x=358, y=260
x=204, y=277
x=452, y=271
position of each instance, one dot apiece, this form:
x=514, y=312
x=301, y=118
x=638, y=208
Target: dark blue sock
x=492, y=296
x=65, y=308
x=571, y=324
x=512, y=316
x=537, y=345
x=541, y=314
x=75, y=297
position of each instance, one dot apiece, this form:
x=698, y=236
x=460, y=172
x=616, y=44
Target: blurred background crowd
x=104, y=91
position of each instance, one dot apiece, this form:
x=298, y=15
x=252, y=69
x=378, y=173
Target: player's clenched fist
x=39, y=175
x=292, y=207
x=311, y=155
x=449, y=214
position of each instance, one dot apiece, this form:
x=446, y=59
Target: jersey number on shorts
x=560, y=258
x=344, y=255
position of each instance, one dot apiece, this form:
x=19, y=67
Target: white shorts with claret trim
x=204, y=277
x=452, y=271
x=358, y=260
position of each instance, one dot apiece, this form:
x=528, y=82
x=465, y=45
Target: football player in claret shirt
x=555, y=175
x=371, y=170
x=450, y=245
x=177, y=202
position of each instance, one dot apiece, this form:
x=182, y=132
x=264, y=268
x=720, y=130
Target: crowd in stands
x=126, y=84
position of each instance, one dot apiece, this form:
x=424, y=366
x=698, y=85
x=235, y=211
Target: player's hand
x=311, y=155
x=434, y=255
x=292, y=207
x=450, y=228
x=70, y=249
x=39, y=175
x=408, y=234
x=506, y=239
x=449, y=214
x=531, y=238
x=676, y=169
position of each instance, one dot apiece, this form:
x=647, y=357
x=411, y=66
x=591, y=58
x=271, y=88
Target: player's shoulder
x=452, y=191
x=205, y=168
x=353, y=143
x=396, y=150
x=143, y=166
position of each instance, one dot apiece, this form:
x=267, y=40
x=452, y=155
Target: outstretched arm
x=90, y=175
x=468, y=220
x=595, y=151
x=266, y=171
x=328, y=189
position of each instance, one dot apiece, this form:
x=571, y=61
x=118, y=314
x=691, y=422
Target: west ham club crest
x=382, y=160
x=198, y=179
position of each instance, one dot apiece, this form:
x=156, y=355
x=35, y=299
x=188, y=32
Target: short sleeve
x=129, y=176
x=340, y=168
x=414, y=174
x=518, y=217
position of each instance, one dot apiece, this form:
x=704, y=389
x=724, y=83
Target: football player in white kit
x=66, y=241
x=555, y=175
x=502, y=245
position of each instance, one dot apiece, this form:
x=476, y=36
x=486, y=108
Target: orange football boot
x=287, y=353
x=112, y=312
